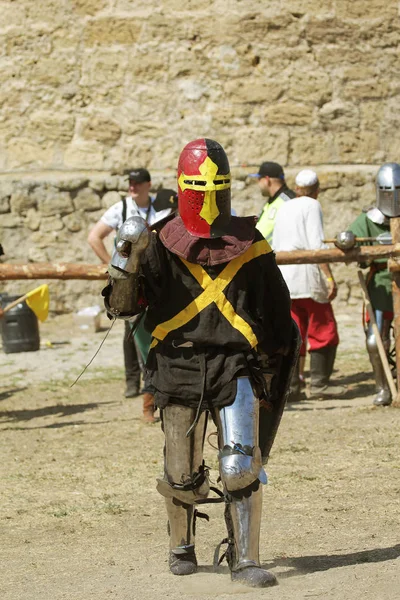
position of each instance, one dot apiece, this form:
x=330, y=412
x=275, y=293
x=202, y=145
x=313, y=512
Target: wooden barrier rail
x=332, y=255
x=86, y=271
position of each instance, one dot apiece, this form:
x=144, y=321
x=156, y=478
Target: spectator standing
x=272, y=184
x=138, y=202
x=312, y=287
x=372, y=223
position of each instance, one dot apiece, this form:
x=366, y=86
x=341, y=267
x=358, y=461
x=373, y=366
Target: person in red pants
x=299, y=226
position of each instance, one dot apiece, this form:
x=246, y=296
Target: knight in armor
x=374, y=222
x=223, y=343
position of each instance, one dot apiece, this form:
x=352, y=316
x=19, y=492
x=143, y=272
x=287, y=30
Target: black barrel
x=19, y=327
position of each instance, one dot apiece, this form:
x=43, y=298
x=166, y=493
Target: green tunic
x=380, y=284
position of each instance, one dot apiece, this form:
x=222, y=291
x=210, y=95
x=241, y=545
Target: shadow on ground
x=324, y=562
x=59, y=409
x=8, y=393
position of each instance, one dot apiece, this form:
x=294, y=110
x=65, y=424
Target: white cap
x=306, y=177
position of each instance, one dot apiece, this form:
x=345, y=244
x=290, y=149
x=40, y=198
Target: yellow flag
x=38, y=301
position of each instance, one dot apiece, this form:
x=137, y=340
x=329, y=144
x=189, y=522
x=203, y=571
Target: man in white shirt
x=299, y=226
x=138, y=202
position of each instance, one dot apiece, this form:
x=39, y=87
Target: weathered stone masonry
x=89, y=88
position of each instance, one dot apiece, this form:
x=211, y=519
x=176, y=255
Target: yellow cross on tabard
x=213, y=291
x=209, y=183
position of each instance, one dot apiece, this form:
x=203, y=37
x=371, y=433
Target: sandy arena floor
x=81, y=519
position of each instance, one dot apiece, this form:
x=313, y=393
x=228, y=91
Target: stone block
x=32, y=219
x=50, y=224
x=359, y=10
x=21, y=200
x=253, y=90
x=112, y=30
x=152, y=66
x=4, y=204
x=328, y=178
x=358, y=146
x=339, y=116
x=50, y=125
x=38, y=255
x=252, y=145
x=104, y=68
x=390, y=149
x=330, y=55
x=51, y=201
x=309, y=84
x=55, y=70
x=6, y=190
x=74, y=221
x=96, y=184
x=364, y=90
x=304, y=7
x=314, y=148
x=88, y=7
x=110, y=198
x=123, y=183
x=80, y=154
x=87, y=200
x=112, y=182
x=328, y=30
x=288, y=113
x=10, y=221
x=99, y=128
x=72, y=183
x=23, y=151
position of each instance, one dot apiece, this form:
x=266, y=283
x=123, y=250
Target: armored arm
x=123, y=297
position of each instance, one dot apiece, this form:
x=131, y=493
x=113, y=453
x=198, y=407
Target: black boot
x=295, y=393
x=321, y=368
x=132, y=367
x=182, y=560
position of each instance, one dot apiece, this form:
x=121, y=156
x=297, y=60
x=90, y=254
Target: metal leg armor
x=241, y=473
x=185, y=481
x=383, y=396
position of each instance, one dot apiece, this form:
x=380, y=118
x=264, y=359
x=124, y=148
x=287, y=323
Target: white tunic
x=299, y=226
x=113, y=216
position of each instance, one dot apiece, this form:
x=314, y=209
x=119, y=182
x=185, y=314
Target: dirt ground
x=81, y=519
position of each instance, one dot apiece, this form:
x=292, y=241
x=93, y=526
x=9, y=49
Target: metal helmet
x=388, y=189
x=204, y=188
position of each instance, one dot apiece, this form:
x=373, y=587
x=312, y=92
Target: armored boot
x=383, y=396
x=148, y=408
x=245, y=521
x=321, y=368
x=241, y=472
x=185, y=482
x=182, y=557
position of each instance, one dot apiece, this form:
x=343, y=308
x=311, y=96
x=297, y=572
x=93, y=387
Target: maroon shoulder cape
x=204, y=251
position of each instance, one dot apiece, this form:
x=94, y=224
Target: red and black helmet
x=204, y=188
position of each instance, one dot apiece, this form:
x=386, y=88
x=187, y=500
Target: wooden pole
x=379, y=343
x=395, y=231
x=331, y=255
x=52, y=271
x=12, y=304
x=84, y=271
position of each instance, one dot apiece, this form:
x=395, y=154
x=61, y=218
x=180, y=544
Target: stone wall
x=92, y=87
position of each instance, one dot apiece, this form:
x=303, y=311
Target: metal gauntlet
x=122, y=295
